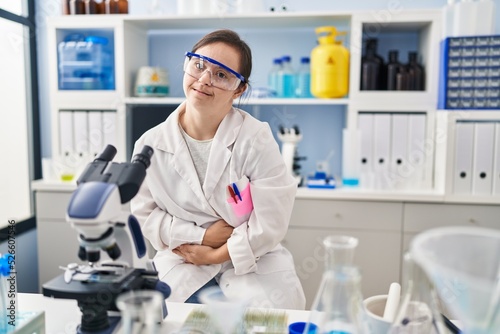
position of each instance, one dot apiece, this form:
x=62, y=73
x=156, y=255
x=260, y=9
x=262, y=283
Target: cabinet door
x=419, y=217
x=378, y=256
x=380, y=216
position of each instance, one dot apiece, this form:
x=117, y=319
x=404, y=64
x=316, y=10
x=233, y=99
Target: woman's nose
x=206, y=79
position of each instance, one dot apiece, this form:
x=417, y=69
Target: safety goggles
x=221, y=76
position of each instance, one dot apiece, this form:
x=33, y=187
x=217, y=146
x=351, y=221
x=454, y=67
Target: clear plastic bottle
x=272, y=79
x=337, y=308
x=303, y=79
x=286, y=86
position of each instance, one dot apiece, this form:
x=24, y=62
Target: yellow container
x=329, y=65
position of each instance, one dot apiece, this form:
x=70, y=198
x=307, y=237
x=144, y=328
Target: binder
x=482, y=167
x=417, y=150
x=66, y=146
x=109, y=128
x=400, y=171
x=496, y=165
x=381, y=149
x=365, y=125
x=464, y=148
x=81, y=132
x=95, y=132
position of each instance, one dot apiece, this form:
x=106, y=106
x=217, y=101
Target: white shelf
x=270, y=101
x=370, y=194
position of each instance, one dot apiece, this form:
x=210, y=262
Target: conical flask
x=419, y=307
x=337, y=308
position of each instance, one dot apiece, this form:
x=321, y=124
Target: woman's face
x=200, y=92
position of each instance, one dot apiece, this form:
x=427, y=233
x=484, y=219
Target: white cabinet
x=57, y=240
x=377, y=225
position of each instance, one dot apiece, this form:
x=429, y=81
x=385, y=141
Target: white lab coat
x=173, y=209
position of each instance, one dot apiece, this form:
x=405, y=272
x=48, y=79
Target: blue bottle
x=273, y=76
x=303, y=79
x=286, y=76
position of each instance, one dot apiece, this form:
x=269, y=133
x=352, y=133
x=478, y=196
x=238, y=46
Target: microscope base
x=97, y=296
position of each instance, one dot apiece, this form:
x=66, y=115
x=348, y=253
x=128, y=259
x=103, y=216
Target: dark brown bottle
x=371, y=67
x=65, y=7
x=76, y=7
x=393, y=68
x=116, y=6
x=416, y=73
x=90, y=7
x=402, y=80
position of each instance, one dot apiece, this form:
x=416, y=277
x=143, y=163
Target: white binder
x=81, y=132
x=400, y=170
x=464, y=149
x=109, y=128
x=66, y=146
x=365, y=125
x=95, y=132
x=496, y=165
x=417, y=150
x=482, y=168
x=382, y=150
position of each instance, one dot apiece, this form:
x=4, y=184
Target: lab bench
x=384, y=222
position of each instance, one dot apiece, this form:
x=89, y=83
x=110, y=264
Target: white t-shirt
x=200, y=150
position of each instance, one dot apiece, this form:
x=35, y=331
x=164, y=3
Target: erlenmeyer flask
x=419, y=307
x=337, y=308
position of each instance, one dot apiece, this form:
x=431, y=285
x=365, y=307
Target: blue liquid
x=303, y=85
x=286, y=87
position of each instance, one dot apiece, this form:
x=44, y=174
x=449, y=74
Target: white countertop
x=346, y=193
x=63, y=315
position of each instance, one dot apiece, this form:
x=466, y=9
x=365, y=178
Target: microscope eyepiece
x=144, y=156
x=107, y=154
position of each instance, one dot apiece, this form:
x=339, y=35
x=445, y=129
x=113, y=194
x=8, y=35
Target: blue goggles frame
x=215, y=62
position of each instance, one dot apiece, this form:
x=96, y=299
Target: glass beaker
x=419, y=307
x=141, y=311
x=337, y=307
x=226, y=312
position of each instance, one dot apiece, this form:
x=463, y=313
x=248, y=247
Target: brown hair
x=232, y=39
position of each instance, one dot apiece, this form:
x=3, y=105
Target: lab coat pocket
x=242, y=205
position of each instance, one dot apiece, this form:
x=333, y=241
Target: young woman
x=217, y=198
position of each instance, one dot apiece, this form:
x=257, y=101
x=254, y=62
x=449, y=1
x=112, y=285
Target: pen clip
x=237, y=191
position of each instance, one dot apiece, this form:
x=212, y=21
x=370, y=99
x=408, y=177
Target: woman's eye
x=199, y=65
x=221, y=75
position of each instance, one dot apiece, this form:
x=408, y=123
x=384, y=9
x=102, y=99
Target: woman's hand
x=217, y=234
x=200, y=254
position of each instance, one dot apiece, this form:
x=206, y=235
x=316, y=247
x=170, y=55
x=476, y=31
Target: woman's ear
x=240, y=90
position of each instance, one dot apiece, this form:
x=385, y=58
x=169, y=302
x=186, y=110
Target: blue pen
x=236, y=191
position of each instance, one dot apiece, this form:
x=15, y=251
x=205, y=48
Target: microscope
x=99, y=212
x=290, y=137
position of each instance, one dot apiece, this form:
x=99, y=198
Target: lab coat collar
x=170, y=140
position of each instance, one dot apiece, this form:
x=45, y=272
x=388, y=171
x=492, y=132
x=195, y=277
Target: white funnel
x=464, y=265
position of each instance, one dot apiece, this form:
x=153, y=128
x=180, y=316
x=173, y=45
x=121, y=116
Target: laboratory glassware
x=337, y=307
x=286, y=74
x=272, y=78
x=226, y=312
x=371, y=67
x=141, y=311
x=463, y=264
x=393, y=68
x=419, y=310
x=415, y=71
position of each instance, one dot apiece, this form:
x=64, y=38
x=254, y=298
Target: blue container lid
x=97, y=40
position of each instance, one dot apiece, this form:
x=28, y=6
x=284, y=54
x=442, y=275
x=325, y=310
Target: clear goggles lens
x=221, y=76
